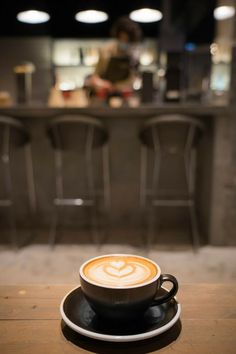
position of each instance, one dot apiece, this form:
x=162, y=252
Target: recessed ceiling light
x=146, y=15
x=91, y=16
x=33, y=16
x=224, y=12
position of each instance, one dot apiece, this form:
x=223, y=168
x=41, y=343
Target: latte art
x=120, y=271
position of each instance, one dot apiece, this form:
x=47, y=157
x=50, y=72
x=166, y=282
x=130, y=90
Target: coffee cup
x=122, y=287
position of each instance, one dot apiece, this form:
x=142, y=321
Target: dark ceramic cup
x=129, y=302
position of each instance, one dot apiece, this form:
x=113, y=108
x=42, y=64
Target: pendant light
x=91, y=16
x=224, y=12
x=33, y=16
x=146, y=15
x=91, y=11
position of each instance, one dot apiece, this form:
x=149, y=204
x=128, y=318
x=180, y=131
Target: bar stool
x=13, y=135
x=84, y=134
x=170, y=136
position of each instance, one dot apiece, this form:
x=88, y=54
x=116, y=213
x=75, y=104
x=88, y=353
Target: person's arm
x=94, y=81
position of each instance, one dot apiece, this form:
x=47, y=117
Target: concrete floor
x=38, y=263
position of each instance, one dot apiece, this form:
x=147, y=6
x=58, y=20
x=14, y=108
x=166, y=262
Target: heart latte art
x=120, y=271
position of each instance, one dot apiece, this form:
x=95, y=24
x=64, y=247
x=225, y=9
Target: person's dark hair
x=124, y=24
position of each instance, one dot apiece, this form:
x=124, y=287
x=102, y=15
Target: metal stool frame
x=8, y=125
x=189, y=156
x=94, y=126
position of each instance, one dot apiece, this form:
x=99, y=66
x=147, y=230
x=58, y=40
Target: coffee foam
x=120, y=271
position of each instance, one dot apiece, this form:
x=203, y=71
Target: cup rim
x=83, y=276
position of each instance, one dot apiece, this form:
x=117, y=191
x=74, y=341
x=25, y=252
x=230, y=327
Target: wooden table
x=30, y=322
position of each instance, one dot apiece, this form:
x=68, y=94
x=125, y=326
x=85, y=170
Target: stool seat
x=18, y=134
x=70, y=132
x=176, y=143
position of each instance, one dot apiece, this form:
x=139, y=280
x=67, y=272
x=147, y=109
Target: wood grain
x=35, y=291
x=30, y=323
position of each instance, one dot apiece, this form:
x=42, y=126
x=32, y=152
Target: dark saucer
x=79, y=316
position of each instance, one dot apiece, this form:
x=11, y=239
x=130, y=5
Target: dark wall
x=36, y=50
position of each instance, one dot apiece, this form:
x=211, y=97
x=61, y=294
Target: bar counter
x=216, y=186
x=105, y=111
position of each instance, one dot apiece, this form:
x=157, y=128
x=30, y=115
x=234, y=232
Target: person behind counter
x=118, y=61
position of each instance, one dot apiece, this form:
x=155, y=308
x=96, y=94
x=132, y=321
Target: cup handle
x=170, y=294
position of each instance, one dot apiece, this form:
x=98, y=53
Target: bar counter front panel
x=216, y=187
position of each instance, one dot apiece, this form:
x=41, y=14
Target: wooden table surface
x=30, y=322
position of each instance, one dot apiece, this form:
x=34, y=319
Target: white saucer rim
x=117, y=338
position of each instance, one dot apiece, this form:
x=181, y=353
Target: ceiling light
x=33, y=16
x=146, y=15
x=224, y=12
x=91, y=16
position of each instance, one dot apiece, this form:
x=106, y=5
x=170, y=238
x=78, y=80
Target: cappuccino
x=120, y=271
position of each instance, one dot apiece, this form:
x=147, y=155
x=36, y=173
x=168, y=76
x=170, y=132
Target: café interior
x=118, y=176
x=90, y=167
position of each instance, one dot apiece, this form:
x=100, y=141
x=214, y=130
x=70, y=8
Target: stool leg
x=59, y=175
x=30, y=178
x=195, y=233
x=152, y=229
x=192, y=208
x=8, y=185
x=143, y=176
x=190, y=173
x=14, y=239
x=91, y=187
x=94, y=223
x=106, y=176
x=106, y=189
x=155, y=179
x=59, y=195
x=156, y=171
x=143, y=194
x=151, y=226
x=53, y=228
x=31, y=187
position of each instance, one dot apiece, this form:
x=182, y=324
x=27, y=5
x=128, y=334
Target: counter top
x=105, y=111
x=30, y=322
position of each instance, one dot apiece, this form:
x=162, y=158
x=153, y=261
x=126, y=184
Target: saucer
x=78, y=315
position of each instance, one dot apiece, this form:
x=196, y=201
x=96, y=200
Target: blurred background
x=117, y=135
